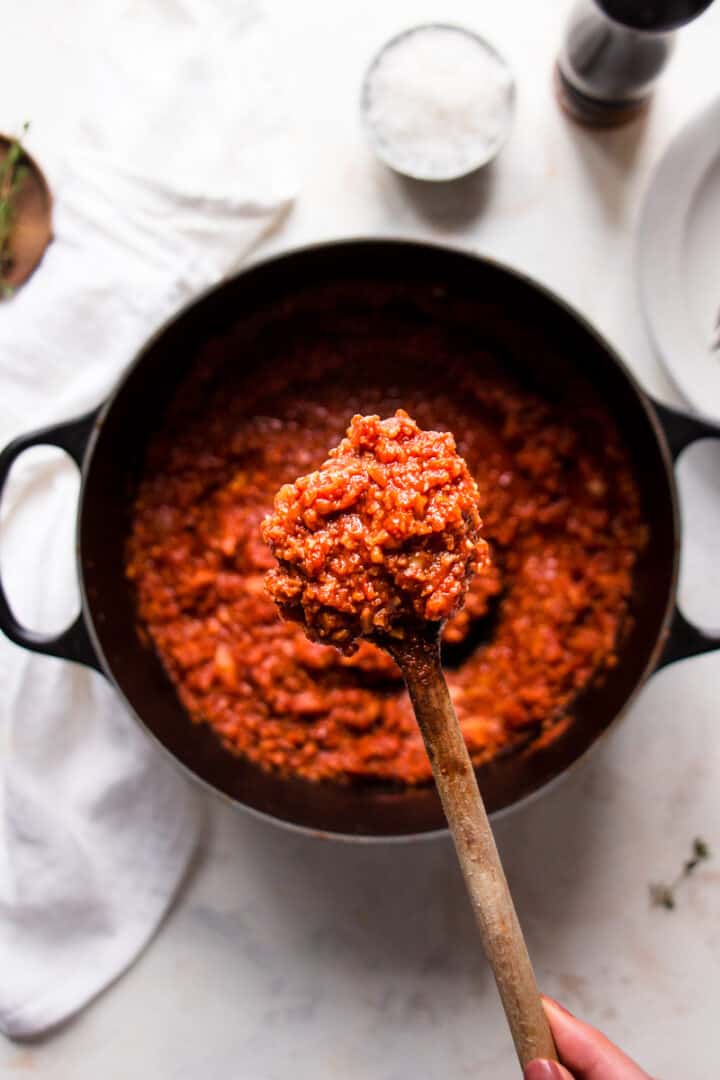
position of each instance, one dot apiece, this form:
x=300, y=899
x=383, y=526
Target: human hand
x=586, y=1053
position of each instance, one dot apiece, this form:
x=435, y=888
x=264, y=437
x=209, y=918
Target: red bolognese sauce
x=561, y=516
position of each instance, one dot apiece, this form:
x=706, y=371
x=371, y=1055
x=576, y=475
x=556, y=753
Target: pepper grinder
x=613, y=53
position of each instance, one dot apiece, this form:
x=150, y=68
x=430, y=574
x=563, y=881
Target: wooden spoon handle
x=467, y=818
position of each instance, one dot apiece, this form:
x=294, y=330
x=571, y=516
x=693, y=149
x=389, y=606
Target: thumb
x=587, y=1052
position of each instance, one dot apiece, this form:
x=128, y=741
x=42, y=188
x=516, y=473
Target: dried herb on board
x=664, y=895
x=12, y=175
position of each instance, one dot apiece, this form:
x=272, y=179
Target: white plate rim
x=664, y=215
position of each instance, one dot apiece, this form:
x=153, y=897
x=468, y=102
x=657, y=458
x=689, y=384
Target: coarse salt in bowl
x=437, y=102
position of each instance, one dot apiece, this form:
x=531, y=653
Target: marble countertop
x=288, y=956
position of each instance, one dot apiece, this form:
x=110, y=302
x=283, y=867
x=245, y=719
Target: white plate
x=678, y=260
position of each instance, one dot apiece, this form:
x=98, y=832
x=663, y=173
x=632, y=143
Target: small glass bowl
x=398, y=160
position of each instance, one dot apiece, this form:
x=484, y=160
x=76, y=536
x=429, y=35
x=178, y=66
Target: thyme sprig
x=664, y=895
x=13, y=172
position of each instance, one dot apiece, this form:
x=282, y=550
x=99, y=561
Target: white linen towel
x=178, y=161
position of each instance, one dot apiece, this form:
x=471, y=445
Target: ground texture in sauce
x=559, y=506
x=384, y=535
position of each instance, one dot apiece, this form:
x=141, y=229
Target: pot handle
x=74, y=642
x=683, y=639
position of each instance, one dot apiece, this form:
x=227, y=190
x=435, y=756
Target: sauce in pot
x=560, y=513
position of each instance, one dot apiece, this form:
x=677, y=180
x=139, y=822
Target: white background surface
x=291, y=957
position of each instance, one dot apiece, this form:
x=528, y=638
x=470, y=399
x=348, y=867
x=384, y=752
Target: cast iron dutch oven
x=539, y=337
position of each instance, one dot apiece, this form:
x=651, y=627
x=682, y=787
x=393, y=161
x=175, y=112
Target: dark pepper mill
x=614, y=51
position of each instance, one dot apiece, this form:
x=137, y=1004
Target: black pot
x=516, y=318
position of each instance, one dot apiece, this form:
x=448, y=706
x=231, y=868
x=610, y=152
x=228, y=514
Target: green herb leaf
x=662, y=896
x=701, y=850
x=12, y=176
x=21, y=173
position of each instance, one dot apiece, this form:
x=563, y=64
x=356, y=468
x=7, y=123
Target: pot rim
x=642, y=397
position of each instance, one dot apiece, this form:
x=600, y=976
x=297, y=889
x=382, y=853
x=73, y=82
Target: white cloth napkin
x=178, y=162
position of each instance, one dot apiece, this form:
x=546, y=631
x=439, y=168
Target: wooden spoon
x=417, y=654
x=390, y=483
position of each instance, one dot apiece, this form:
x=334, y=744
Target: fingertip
x=553, y=1004
x=539, y=1069
x=585, y=1049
